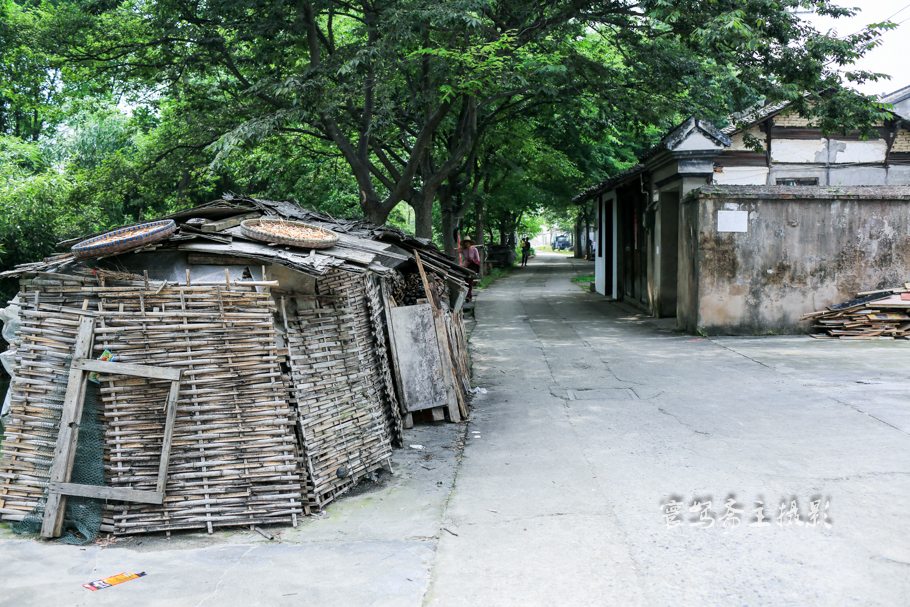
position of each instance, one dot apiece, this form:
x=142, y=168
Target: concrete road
x=595, y=420
x=375, y=547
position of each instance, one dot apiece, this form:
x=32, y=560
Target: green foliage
x=549, y=249
x=112, y=112
x=29, y=86
x=29, y=192
x=360, y=84
x=583, y=279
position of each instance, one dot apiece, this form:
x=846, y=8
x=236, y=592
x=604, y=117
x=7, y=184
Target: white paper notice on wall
x=732, y=221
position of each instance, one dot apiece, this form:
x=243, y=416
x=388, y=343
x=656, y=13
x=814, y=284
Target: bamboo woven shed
x=271, y=380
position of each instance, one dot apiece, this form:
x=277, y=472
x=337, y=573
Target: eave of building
x=751, y=120
x=659, y=154
x=897, y=96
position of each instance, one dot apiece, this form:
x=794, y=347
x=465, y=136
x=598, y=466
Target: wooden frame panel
x=61, y=469
x=457, y=407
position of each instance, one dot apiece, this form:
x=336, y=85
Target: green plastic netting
x=82, y=516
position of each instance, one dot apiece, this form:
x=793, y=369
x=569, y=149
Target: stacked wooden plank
x=881, y=315
x=339, y=408
x=461, y=360
x=234, y=457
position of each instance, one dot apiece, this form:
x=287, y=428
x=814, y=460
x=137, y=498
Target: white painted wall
x=799, y=150
x=698, y=141
x=600, y=274
x=858, y=151
x=742, y=176
x=545, y=238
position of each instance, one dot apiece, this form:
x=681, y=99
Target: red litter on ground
x=112, y=581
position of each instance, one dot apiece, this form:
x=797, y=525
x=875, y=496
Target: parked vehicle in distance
x=562, y=243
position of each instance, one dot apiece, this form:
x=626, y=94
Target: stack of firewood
x=412, y=291
x=873, y=315
x=397, y=288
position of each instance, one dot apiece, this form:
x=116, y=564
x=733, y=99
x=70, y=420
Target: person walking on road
x=470, y=259
x=525, y=251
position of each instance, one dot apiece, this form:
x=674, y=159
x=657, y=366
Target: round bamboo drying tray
x=125, y=239
x=282, y=232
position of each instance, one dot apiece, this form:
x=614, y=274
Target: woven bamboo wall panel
x=234, y=457
x=49, y=321
x=383, y=377
x=340, y=412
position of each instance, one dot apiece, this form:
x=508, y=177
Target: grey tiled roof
x=756, y=113
x=896, y=96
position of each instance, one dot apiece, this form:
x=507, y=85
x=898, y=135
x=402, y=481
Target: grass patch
x=583, y=279
x=550, y=250
x=488, y=278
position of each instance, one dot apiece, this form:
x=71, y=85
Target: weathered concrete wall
x=687, y=287
x=899, y=175
x=663, y=246
x=804, y=248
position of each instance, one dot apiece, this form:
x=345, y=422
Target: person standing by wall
x=470, y=259
x=525, y=251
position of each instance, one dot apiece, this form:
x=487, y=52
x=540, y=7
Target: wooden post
x=62, y=465
x=171, y=415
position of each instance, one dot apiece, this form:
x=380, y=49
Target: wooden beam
x=107, y=493
x=171, y=415
x=223, y=224
x=62, y=465
x=892, y=137
x=114, y=368
x=459, y=302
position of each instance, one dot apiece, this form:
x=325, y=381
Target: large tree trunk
x=423, y=214
x=374, y=211
x=479, y=228
x=450, y=219
x=577, y=253
x=449, y=225
x=453, y=207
